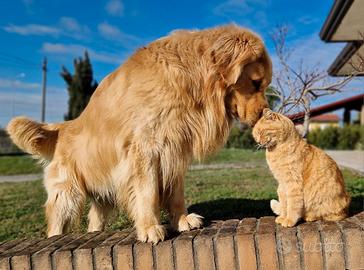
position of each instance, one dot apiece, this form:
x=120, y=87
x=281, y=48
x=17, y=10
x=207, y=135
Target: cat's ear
x=268, y=114
x=300, y=129
x=266, y=111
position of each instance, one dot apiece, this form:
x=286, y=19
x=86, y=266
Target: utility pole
x=44, y=88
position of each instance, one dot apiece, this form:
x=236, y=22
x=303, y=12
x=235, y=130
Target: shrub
x=328, y=138
x=348, y=137
x=241, y=138
x=360, y=144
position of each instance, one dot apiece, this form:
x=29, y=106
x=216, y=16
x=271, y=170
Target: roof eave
x=334, y=18
x=344, y=56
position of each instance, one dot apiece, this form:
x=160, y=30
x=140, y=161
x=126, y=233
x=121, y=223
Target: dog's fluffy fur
x=170, y=102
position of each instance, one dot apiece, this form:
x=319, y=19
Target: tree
x=80, y=86
x=296, y=86
x=272, y=99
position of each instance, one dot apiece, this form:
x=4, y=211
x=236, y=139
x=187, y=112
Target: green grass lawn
x=213, y=193
x=10, y=165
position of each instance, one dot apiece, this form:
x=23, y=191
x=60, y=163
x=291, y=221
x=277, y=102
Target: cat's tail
x=275, y=206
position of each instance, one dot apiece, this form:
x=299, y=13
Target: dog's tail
x=275, y=206
x=34, y=138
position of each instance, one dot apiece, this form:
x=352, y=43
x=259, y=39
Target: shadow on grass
x=224, y=209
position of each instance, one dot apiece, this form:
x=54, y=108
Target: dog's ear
x=232, y=51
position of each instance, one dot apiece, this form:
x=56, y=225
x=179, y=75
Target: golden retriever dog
x=171, y=101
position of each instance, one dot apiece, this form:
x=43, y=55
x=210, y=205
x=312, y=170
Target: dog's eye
x=257, y=84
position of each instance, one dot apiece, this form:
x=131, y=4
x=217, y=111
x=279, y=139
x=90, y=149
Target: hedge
x=348, y=137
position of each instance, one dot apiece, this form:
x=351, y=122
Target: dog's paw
x=189, y=222
x=154, y=234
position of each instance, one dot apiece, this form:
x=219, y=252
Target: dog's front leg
x=180, y=219
x=144, y=202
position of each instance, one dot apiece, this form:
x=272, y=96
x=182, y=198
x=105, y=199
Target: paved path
x=20, y=177
x=349, y=159
x=218, y=166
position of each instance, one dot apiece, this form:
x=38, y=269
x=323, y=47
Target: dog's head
x=244, y=71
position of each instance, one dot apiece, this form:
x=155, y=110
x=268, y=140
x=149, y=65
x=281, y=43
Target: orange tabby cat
x=310, y=184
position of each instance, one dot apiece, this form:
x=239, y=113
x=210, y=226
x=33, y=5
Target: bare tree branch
x=296, y=86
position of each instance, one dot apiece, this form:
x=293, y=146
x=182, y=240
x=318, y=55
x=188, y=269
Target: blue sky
x=112, y=29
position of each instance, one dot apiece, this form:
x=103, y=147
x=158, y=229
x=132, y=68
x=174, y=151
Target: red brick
x=164, y=256
x=289, y=247
x=224, y=244
x=311, y=246
x=143, y=256
x=5, y=263
x=21, y=261
x=354, y=244
x=123, y=253
x=203, y=247
x=360, y=218
x=184, y=250
x=62, y=258
x=82, y=256
x=245, y=244
x=103, y=252
x=42, y=258
x=266, y=243
x=332, y=246
x=8, y=245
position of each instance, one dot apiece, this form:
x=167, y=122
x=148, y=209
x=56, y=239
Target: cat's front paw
x=279, y=219
x=287, y=223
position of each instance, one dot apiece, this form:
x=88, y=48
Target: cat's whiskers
x=259, y=146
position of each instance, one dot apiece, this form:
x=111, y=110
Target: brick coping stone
x=249, y=243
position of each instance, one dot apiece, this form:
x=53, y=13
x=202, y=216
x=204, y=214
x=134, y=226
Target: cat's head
x=273, y=128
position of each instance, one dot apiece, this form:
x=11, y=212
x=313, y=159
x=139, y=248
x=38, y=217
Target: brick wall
x=246, y=244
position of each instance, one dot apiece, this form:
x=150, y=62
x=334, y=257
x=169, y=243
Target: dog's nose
x=261, y=113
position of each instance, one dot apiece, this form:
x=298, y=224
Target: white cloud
x=238, y=7
x=306, y=20
x=32, y=29
x=313, y=51
x=67, y=26
x=71, y=27
x=18, y=84
x=28, y=103
x=250, y=13
x=115, y=8
x=113, y=33
x=77, y=50
x=21, y=75
x=28, y=3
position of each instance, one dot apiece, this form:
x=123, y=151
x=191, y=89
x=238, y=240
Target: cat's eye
x=257, y=84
